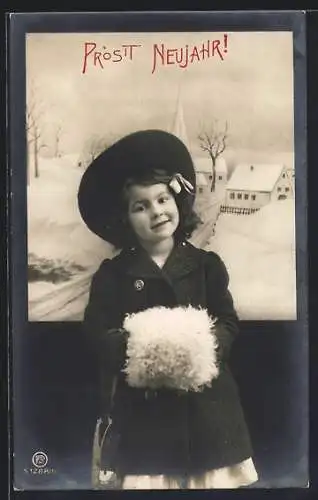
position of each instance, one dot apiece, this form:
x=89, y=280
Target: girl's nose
x=156, y=210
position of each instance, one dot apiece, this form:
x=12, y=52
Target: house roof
x=200, y=179
x=203, y=164
x=255, y=177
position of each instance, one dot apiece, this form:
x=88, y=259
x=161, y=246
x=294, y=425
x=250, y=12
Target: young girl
x=162, y=320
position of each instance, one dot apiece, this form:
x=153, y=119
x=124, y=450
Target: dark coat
x=158, y=432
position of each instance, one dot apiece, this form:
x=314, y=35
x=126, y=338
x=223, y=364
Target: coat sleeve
x=221, y=305
x=103, y=325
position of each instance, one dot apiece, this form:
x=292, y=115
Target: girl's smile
x=152, y=213
x=159, y=225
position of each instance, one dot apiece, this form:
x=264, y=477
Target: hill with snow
x=259, y=252
x=55, y=228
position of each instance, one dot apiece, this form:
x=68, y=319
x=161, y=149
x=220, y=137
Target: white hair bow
x=178, y=182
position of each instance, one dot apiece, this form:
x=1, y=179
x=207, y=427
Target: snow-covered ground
x=55, y=228
x=258, y=250
x=57, y=233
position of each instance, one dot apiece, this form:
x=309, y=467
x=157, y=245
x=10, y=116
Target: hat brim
x=103, y=180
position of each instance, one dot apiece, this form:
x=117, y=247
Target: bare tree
x=213, y=140
x=34, y=112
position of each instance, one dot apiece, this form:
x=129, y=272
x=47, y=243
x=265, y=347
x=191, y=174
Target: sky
x=251, y=87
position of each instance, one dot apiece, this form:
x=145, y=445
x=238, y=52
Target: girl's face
x=152, y=212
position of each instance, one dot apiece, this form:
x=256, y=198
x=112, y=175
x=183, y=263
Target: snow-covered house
x=291, y=175
x=203, y=166
x=202, y=185
x=252, y=186
x=85, y=158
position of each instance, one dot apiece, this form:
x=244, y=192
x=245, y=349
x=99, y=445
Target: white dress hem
x=235, y=476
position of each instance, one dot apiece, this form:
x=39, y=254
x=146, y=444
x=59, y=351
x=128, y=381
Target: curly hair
x=123, y=236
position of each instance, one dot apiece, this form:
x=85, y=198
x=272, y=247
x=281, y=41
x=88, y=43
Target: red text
x=99, y=58
x=184, y=56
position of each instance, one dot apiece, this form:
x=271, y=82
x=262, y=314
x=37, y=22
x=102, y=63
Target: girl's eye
x=138, y=208
x=163, y=199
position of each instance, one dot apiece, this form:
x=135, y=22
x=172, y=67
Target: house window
x=284, y=175
x=210, y=177
x=246, y=197
x=279, y=189
x=253, y=197
x=220, y=177
x=200, y=190
x=286, y=190
x=239, y=196
x=232, y=196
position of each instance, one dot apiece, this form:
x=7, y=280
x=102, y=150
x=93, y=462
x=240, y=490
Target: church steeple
x=178, y=123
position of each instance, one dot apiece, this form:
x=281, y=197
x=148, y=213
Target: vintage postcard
x=229, y=88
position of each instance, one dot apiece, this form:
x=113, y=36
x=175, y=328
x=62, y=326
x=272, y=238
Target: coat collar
x=183, y=259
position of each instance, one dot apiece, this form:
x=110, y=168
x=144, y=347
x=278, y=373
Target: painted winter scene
x=230, y=102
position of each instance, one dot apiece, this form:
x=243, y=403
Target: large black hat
x=103, y=180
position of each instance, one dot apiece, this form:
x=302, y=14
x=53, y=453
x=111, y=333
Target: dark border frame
x=65, y=22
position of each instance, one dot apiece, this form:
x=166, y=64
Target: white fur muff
x=171, y=347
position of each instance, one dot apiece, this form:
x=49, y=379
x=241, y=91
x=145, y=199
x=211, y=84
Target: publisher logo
x=40, y=459
x=39, y=465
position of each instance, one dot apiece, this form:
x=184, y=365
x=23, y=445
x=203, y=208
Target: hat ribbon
x=178, y=182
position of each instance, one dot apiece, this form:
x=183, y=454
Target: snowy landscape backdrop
x=71, y=115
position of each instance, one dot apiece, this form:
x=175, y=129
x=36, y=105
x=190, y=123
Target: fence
x=237, y=210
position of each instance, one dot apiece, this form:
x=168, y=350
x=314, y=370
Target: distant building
x=204, y=166
x=252, y=186
x=178, y=124
x=291, y=175
x=202, y=184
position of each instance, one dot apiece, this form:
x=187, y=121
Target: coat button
x=139, y=284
